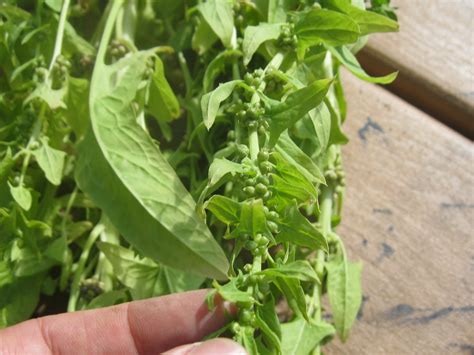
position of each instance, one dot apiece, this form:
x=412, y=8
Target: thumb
x=214, y=346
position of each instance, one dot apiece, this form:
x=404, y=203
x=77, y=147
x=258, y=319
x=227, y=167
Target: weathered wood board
x=409, y=216
x=434, y=52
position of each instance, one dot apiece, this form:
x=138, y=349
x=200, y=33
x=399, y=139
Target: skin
x=154, y=326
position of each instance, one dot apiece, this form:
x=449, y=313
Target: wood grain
x=434, y=52
x=409, y=217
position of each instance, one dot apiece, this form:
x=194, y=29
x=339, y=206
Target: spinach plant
x=150, y=147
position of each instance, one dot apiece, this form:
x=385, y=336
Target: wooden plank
x=434, y=52
x=409, y=216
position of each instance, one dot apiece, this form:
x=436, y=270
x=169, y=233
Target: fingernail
x=217, y=346
x=182, y=350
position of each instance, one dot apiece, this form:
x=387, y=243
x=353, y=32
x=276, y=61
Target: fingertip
x=214, y=346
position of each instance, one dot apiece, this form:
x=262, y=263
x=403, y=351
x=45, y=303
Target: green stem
x=253, y=143
x=60, y=33
x=71, y=307
x=109, y=27
x=188, y=81
x=325, y=221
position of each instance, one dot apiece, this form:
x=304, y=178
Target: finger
x=145, y=327
x=214, y=346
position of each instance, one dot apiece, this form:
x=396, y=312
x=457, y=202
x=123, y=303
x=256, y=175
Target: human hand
x=154, y=326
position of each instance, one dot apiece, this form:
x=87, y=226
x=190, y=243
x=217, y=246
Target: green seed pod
x=263, y=180
x=262, y=241
x=235, y=327
x=273, y=227
x=247, y=267
x=34, y=145
x=263, y=155
x=250, y=245
x=267, y=196
x=249, y=190
x=231, y=135
x=245, y=317
x=273, y=216
x=261, y=189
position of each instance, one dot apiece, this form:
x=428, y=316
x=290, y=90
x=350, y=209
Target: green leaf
x=230, y=292
x=277, y=9
x=6, y=273
x=173, y=281
x=162, y=102
x=254, y=36
x=77, y=105
x=294, y=295
x=267, y=321
x=75, y=44
x=299, y=269
x=220, y=17
x=120, y=165
x=138, y=274
x=51, y=161
x=44, y=91
x=247, y=338
x=225, y=209
x=54, y=4
x=345, y=56
x=284, y=114
x=345, y=294
x=289, y=183
x=252, y=218
x=6, y=164
x=107, y=299
x=296, y=229
x=211, y=102
x=19, y=299
x=369, y=22
x=21, y=195
x=336, y=136
x=300, y=337
x=321, y=120
x=296, y=157
x=326, y=26
x=216, y=66
x=203, y=37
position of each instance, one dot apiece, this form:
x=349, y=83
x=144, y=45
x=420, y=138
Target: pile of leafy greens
x=150, y=147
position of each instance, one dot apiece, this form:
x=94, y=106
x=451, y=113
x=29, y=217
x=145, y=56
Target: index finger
x=143, y=327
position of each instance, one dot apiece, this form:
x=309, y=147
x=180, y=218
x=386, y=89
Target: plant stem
x=325, y=221
x=109, y=26
x=253, y=143
x=60, y=33
x=71, y=307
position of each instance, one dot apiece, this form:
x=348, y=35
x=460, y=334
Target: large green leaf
x=267, y=321
x=301, y=337
x=139, y=274
x=219, y=15
x=296, y=157
x=225, y=209
x=299, y=269
x=326, y=26
x=284, y=114
x=18, y=299
x=126, y=174
x=345, y=56
x=345, y=294
x=254, y=36
x=368, y=21
x=296, y=229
